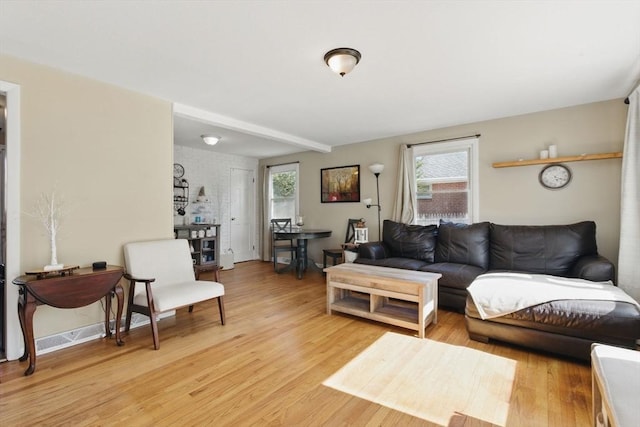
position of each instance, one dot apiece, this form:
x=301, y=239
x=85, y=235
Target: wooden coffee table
x=404, y=298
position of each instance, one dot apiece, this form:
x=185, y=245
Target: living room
x=109, y=149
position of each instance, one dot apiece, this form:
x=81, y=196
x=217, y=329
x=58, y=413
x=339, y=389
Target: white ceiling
x=255, y=68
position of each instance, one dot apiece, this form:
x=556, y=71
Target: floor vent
x=62, y=340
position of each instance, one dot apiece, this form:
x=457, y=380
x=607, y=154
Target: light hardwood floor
x=266, y=366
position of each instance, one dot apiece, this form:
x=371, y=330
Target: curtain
x=265, y=231
x=406, y=204
x=629, y=254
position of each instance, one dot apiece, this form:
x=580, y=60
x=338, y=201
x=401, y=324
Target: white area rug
x=429, y=379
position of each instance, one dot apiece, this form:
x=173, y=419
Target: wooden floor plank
x=267, y=366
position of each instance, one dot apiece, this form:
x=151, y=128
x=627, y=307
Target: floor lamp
x=376, y=169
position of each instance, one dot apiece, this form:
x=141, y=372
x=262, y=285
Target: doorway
x=242, y=194
x=3, y=221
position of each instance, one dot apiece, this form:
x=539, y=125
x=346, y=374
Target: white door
x=242, y=214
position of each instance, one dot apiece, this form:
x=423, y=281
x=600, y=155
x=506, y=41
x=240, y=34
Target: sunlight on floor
x=429, y=379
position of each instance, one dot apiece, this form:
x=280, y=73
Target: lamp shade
x=366, y=202
x=210, y=139
x=376, y=168
x=342, y=60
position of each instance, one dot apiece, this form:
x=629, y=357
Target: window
x=283, y=191
x=446, y=182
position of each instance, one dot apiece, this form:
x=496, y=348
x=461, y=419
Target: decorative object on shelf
x=376, y=169
x=555, y=176
x=210, y=139
x=553, y=151
x=178, y=170
x=342, y=60
x=202, y=196
x=49, y=210
x=361, y=235
x=544, y=154
x=341, y=184
x=564, y=159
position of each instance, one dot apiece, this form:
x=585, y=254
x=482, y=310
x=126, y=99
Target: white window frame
x=471, y=146
x=285, y=168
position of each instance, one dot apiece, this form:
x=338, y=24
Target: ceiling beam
x=246, y=127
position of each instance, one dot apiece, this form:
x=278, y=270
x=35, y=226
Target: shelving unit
x=180, y=194
x=206, y=250
x=565, y=159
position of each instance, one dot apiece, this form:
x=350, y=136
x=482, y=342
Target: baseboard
x=84, y=334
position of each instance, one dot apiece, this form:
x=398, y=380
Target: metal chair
x=279, y=245
x=336, y=254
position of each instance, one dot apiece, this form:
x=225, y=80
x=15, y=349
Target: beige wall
x=508, y=196
x=108, y=152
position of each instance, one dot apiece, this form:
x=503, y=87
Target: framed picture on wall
x=341, y=184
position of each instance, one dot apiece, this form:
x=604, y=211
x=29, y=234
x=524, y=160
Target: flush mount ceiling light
x=210, y=139
x=342, y=60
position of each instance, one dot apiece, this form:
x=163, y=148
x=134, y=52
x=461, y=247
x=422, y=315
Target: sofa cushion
x=463, y=244
x=403, y=263
x=410, y=241
x=545, y=249
x=454, y=275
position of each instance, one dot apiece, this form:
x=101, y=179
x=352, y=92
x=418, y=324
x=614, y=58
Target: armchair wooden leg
x=221, y=307
x=152, y=317
x=127, y=324
x=154, y=331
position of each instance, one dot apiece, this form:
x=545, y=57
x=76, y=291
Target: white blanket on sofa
x=497, y=294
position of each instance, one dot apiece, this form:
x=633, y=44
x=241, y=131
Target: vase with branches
x=49, y=211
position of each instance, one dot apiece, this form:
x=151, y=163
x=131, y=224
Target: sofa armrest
x=595, y=268
x=373, y=250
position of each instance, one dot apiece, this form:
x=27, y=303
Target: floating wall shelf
x=566, y=159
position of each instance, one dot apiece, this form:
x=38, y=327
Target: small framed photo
x=341, y=184
x=361, y=235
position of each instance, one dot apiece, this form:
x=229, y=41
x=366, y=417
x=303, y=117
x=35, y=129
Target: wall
x=507, y=196
x=108, y=153
x=213, y=171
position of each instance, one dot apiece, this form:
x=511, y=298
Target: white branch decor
x=49, y=210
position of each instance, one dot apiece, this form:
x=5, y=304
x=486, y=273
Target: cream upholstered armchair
x=162, y=278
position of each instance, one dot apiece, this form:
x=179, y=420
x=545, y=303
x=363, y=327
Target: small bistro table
x=70, y=289
x=301, y=235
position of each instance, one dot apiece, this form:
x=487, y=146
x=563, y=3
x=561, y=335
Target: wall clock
x=555, y=176
x=178, y=170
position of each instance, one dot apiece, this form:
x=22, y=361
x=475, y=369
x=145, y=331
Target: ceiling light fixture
x=210, y=139
x=342, y=60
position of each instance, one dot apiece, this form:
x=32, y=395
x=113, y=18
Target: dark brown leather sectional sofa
x=461, y=252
